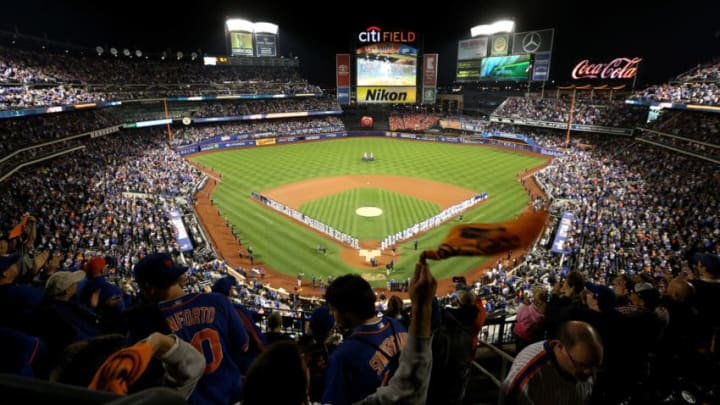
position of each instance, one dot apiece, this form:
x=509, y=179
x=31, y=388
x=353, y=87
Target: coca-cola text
x=619, y=68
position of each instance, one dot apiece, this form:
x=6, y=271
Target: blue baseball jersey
x=256, y=338
x=356, y=369
x=211, y=324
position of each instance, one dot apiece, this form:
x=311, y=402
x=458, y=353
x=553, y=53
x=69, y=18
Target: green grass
x=399, y=212
x=288, y=247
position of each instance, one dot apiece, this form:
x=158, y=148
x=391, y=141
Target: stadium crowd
x=257, y=129
x=697, y=86
x=90, y=268
x=32, y=78
x=604, y=113
x=639, y=212
x=412, y=122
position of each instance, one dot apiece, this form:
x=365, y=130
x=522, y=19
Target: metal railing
x=498, y=330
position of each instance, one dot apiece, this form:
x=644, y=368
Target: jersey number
x=213, y=344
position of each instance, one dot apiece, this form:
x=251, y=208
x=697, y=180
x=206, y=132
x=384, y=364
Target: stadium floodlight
x=113, y=51
x=238, y=24
x=126, y=52
x=179, y=55
x=494, y=28
x=265, y=28
x=99, y=50
x=194, y=55
x=138, y=53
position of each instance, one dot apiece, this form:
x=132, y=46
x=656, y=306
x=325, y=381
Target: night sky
x=671, y=37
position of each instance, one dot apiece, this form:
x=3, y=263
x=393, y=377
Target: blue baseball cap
x=604, y=295
x=158, y=270
x=321, y=319
x=710, y=261
x=7, y=261
x=224, y=285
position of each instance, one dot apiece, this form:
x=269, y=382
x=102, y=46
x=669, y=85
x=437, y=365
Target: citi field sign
x=375, y=34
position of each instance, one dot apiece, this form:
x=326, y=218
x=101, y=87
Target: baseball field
x=407, y=182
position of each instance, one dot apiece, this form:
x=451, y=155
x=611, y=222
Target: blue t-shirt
x=209, y=322
x=356, y=369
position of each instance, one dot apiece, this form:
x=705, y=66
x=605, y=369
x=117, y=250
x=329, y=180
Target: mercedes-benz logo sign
x=531, y=42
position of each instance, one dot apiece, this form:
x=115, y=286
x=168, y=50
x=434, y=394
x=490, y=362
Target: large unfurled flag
x=489, y=239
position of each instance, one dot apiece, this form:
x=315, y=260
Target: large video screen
x=241, y=44
x=514, y=67
x=386, y=64
x=468, y=70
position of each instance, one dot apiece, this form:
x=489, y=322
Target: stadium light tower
x=265, y=27
x=238, y=24
x=493, y=28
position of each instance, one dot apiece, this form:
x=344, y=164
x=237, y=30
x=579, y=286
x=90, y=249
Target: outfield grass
x=290, y=248
x=399, y=212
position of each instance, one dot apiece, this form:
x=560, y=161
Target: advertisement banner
x=532, y=41
x=265, y=45
x=265, y=141
x=450, y=124
x=618, y=68
x=474, y=48
x=105, y=131
x=186, y=150
x=342, y=78
x=541, y=67
x=499, y=44
x=563, y=230
x=343, y=95
x=386, y=95
x=508, y=135
x=468, y=70
x=210, y=147
x=563, y=125
x=181, y=235
x=241, y=44
x=430, y=70
x=429, y=95
x=342, y=69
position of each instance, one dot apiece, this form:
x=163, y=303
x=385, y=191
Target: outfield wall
x=233, y=141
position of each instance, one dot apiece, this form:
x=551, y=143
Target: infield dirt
x=293, y=195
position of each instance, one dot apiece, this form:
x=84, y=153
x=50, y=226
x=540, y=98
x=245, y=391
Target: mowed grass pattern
x=289, y=247
x=399, y=212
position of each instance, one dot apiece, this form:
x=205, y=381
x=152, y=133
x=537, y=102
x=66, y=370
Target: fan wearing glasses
x=557, y=371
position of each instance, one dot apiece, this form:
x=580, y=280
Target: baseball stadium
x=181, y=227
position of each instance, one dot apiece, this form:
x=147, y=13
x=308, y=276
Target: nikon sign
x=386, y=95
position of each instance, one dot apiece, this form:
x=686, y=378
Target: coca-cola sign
x=618, y=68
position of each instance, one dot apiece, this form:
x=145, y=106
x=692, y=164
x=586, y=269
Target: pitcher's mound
x=369, y=211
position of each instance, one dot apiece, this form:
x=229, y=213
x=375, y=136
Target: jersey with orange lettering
x=211, y=324
x=357, y=368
